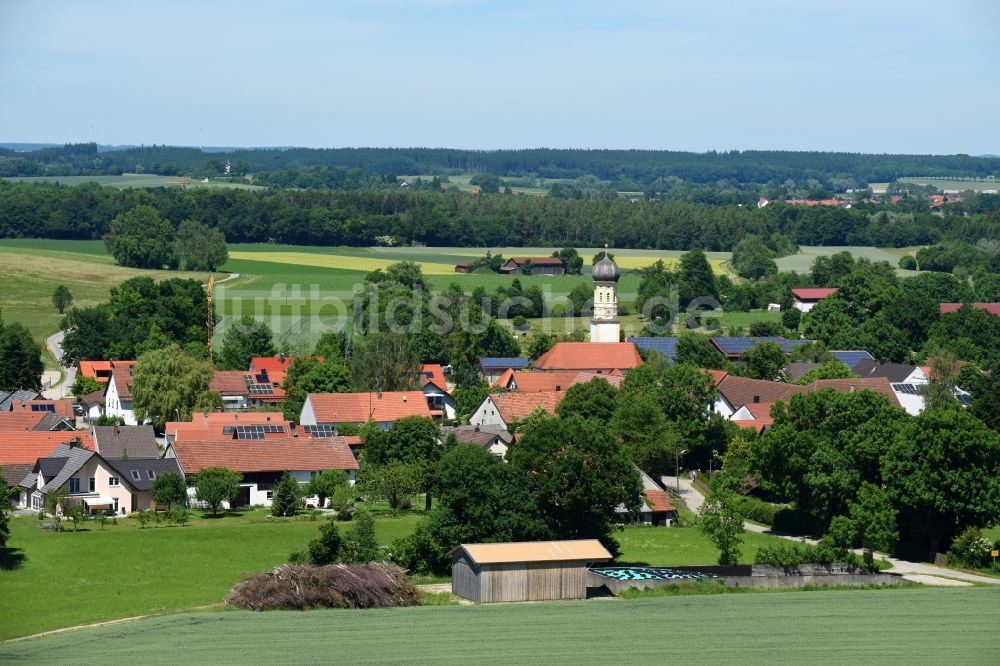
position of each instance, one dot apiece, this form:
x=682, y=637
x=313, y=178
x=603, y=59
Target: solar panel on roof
x=665, y=346
x=260, y=389
x=851, y=358
x=250, y=432
x=739, y=345
x=907, y=389
x=321, y=430
x=964, y=399
x=228, y=430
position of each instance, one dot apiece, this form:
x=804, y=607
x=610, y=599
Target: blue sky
x=867, y=76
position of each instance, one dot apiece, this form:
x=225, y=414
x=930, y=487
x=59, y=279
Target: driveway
x=928, y=574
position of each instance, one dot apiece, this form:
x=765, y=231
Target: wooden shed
x=526, y=571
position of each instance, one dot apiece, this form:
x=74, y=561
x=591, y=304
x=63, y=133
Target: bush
x=343, y=502
x=520, y=323
x=324, y=548
x=359, y=545
x=971, y=549
x=758, y=510
x=296, y=587
x=908, y=263
x=793, y=554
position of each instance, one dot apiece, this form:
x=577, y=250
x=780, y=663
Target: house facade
x=118, y=397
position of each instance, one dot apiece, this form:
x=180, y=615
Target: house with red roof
x=539, y=265
x=554, y=380
x=505, y=409
x=233, y=425
x=805, y=299
x=118, y=397
x=435, y=388
x=597, y=357
x=383, y=408
x=244, y=390
x=262, y=462
x=97, y=370
x=656, y=510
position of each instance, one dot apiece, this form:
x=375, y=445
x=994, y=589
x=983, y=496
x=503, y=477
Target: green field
x=848, y=627
x=123, y=571
x=32, y=269
x=131, y=180
x=802, y=261
x=960, y=185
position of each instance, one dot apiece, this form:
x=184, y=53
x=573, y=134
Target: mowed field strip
x=336, y=261
x=858, y=626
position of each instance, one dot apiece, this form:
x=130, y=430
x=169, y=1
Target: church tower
x=605, y=327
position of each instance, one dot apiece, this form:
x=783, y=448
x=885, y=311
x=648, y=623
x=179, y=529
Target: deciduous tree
x=169, y=488
x=216, y=485
x=62, y=298
x=169, y=383
x=243, y=340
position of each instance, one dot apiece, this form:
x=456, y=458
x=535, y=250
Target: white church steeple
x=605, y=327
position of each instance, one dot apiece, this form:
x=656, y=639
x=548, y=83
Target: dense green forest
x=324, y=217
x=834, y=171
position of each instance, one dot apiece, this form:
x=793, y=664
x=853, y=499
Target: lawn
x=160, y=569
x=71, y=578
x=861, y=626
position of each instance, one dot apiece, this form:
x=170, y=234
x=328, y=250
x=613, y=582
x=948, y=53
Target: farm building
x=538, y=265
x=527, y=571
x=806, y=299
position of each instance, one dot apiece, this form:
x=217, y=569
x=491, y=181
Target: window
x=113, y=481
x=313, y=475
x=135, y=475
x=116, y=504
x=74, y=485
x=269, y=494
x=92, y=484
x=151, y=474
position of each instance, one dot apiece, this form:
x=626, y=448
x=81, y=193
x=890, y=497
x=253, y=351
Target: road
x=54, y=343
x=928, y=574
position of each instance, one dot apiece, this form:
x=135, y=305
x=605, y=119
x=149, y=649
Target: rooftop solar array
x=964, y=398
x=260, y=389
x=908, y=389
x=321, y=430
x=736, y=346
x=504, y=362
x=851, y=358
x=257, y=431
x=666, y=346
x=43, y=408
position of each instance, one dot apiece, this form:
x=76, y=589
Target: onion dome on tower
x=605, y=270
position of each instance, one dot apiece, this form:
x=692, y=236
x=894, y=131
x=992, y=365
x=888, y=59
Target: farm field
x=912, y=626
x=802, y=261
x=283, y=282
x=131, y=180
x=161, y=569
x=33, y=269
x=960, y=185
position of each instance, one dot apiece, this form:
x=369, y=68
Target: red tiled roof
x=992, y=308
x=658, y=500
x=553, y=380
x=812, y=294
x=63, y=408
x=255, y=455
x=19, y=421
x=739, y=391
x=368, y=406
x=234, y=382
x=717, y=375
x=92, y=368
x=590, y=356
x=276, y=366
x=23, y=448
x=433, y=373
x=209, y=426
x=515, y=406
x=121, y=371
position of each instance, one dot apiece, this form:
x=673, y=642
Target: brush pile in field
x=299, y=587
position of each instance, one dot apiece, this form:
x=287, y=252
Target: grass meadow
x=830, y=626
x=801, y=261
x=124, y=571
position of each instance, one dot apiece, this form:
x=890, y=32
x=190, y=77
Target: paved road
x=928, y=574
x=54, y=343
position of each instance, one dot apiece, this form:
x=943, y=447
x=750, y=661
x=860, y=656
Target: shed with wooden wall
x=524, y=571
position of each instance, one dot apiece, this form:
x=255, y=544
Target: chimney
x=281, y=357
x=404, y=398
x=756, y=399
x=558, y=387
x=851, y=389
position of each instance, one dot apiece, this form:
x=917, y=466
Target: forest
x=834, y=171
x=357, y=218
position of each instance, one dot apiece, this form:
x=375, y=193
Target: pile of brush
x=301, y=587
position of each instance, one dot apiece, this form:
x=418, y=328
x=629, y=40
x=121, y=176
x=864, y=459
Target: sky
x=896, y=76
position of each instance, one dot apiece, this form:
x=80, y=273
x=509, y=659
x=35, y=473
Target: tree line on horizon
x=358, y=218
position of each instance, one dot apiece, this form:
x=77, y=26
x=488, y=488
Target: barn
x=526, y=571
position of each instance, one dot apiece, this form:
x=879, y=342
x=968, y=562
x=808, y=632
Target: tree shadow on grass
x=11, y=558
x=232, y=513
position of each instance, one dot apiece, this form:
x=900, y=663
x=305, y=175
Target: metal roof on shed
x=581, y=550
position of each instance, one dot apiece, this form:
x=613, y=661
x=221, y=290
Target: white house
x=806, y=299
x=505, y=409
x=118, y=398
